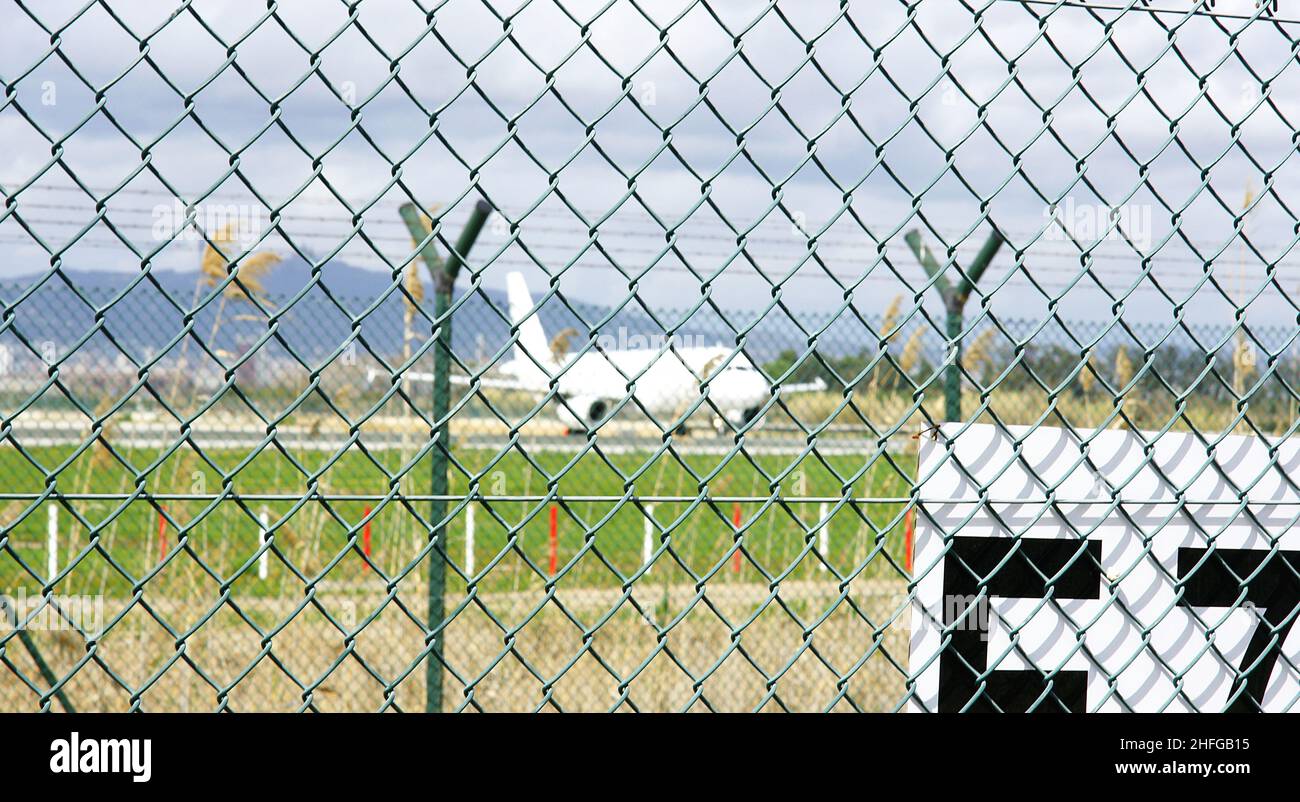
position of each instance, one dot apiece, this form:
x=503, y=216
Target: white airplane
x=590, y=385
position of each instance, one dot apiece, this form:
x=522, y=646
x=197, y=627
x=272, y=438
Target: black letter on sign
x=1275, y=590
x=969, y=563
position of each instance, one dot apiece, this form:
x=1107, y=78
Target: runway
x=67, y=430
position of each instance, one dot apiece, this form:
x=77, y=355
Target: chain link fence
x=277, y=431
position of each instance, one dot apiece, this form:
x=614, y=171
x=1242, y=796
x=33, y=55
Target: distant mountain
x=149, y=317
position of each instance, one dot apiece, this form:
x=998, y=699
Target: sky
x=736, y=151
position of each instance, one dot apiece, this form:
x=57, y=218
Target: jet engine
x=592, y=410
x=737, y=418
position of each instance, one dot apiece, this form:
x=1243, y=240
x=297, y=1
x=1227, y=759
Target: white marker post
x=823, y=537
x=263, y=561
x=647, y=538
x=469, y=539
x=52, y=545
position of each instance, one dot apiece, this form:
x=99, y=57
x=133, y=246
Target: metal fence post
x=954, y=303
x=444, y=280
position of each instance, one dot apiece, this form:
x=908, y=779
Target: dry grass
x=541, y=665
x=1082, y=411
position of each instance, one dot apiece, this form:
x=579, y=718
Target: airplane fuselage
x=662, y=384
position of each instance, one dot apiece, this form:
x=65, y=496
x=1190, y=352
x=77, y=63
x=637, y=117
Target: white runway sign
x=1116, y=576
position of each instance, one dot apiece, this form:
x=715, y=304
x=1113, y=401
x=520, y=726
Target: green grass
x=604, y=537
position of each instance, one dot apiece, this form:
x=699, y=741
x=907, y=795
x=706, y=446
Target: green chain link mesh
x=222, y=426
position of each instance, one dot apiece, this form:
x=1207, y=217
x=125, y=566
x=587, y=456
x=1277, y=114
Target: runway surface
x=44, y=431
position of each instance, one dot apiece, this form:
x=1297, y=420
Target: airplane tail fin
x=531, y=349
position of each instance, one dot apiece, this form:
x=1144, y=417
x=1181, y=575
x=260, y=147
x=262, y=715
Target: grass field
x=817, y=648
x=510, y=647
x=324, y=631
x=599, y=542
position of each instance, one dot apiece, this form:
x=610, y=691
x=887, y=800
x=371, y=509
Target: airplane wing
x=488, y=381
x=458, y=379
x=816, y=386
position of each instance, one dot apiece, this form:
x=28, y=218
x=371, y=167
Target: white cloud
x=188, y=55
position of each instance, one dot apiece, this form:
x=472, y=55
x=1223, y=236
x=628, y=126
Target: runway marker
x=555, y=536
x=823, y=538
x=52, y=547
x=909, y=534
x=365, y=538
x=469, y=539
x=263, y=561
x=647, y=546
x=735, y=520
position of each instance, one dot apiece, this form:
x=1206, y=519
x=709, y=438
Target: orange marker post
x=365, y=537
x=162, y=535
x=909, y=533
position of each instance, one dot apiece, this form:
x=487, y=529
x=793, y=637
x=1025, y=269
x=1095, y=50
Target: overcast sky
x=532, y=114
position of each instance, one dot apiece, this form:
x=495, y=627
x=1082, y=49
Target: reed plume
x=979, y=356
x=912, y=351
x=248, y=272
x=1123, y=367
x=1088, y=376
